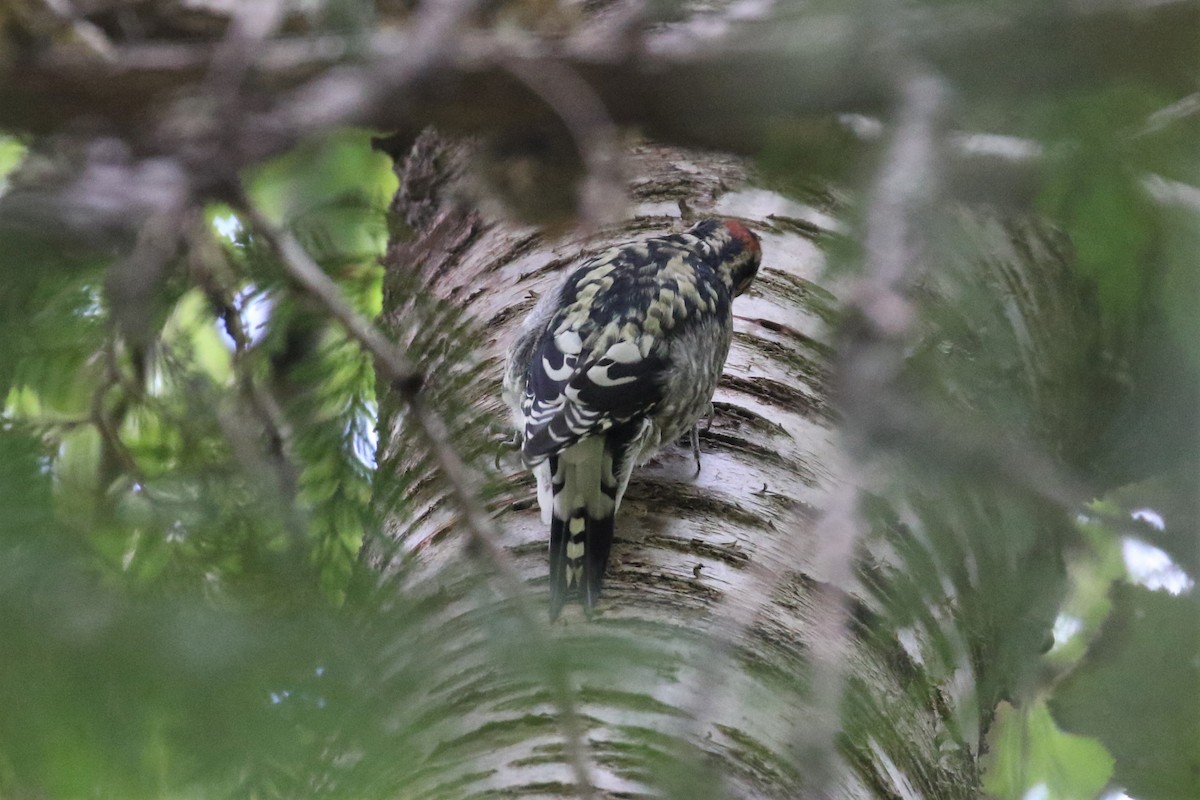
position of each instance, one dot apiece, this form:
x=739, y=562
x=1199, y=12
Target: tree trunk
x=714, y=579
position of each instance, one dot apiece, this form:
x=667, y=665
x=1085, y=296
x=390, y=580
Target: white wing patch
x=624, y=352
x=560, y=374
x=599, y=376
x=568, y=342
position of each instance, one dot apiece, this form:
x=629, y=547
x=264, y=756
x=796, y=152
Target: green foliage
x=11, y=153
x=1092, y=188
x=1029, y=751
x=184, y=610
x=174, y=549
x=119, y=695
x=1136, y=692
x=165, y=518
x=332, y=193
x=1070, y=356
x=1093, y=569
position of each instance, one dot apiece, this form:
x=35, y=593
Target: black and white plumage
x=621, y=358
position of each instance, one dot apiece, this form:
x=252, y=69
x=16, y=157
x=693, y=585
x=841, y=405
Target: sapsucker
x=621, y=358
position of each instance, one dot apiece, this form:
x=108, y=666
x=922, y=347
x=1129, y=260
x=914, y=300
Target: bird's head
x=736, y=250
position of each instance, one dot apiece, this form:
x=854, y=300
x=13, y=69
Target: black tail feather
x=595, y=557
x=582, y=576
x=559, y=591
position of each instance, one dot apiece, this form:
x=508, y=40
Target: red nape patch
x=743, y=234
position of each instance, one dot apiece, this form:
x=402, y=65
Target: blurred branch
x=964, y=445
x=878, y=412
x=995, y=167
x=354, y=95
x=268, y=467
x=1172, y=193
x=603, y=190
x=905, y=188
x=250, y=26
x=871, y=354
x=132, y=284
x=764, y=72
x=107, y=420
x=869, y=361
x=1176, y=112
x=231, y=103
x=837, y=533
x=406, y=380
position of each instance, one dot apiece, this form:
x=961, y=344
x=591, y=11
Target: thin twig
x=102, y=418
x=962, y=443
x=269, y=467
x=214, y=280
x=406, y=381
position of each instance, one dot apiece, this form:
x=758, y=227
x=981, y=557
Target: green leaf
x=333, y=193
x=1028, y=750
x=11, y=153
x=1112, y=226
x=1093, y=188
x=191, y=325
x=1138, y=691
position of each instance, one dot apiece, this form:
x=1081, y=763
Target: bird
x=621, y=358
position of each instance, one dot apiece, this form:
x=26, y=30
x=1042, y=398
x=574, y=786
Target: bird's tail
x=579, y=548
x=581, y=533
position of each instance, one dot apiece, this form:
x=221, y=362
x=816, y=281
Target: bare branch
x=107, y=420
x=355, y=95
x=251, y=25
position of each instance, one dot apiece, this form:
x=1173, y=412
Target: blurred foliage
x=1072, y=336
x=184, y=611
x=1136, y=692
x=11, y=153
x=1097, y=156
x=1028, y=751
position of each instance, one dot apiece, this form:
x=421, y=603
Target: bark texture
x=713, y=573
